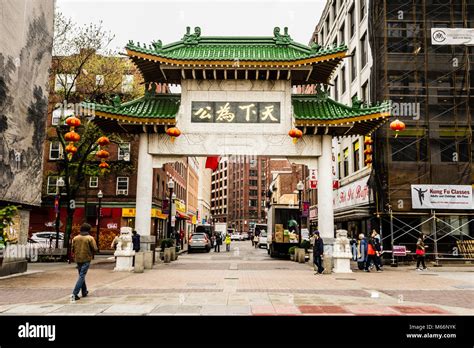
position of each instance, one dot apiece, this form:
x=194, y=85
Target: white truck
x=221, y=227
x=280, y=214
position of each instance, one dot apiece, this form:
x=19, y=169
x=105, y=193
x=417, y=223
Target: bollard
x=148, y=262
x=173, y=253
x=167, y=255
x=139, y=262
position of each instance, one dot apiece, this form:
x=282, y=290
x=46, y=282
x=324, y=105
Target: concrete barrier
x=167, y=255
x=139, y=262
x=148, y=264
x=173, y=254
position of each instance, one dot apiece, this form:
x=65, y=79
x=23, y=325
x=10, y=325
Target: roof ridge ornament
x=116, y=101
x=150, y=89
x=322, y=92
x=192, y=39
x=357, y=103
x=280, y=39
x=157, y=45
x=315, y=47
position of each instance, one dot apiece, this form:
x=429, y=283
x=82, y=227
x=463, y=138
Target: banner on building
x=313, y=179
x=452, y=36
x=353, y=194
x=441, y=197
x=305, y=212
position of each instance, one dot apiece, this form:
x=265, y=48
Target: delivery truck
x=279, y=238
x=221, y=227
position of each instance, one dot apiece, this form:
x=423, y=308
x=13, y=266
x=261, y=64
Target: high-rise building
x=219, y=192
x=204, y=192
x=346, y=22
x=431, y=91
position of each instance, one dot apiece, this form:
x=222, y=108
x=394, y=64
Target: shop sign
x=128, y=212
x=441, y=197
x=112, y=226
x=313, y=179
x=305, y=212
x=194, y=220
x=353, y=194
x=235, y=112
x=313, y=213
x=180, y=206
x=131, y=212
x=452, y=36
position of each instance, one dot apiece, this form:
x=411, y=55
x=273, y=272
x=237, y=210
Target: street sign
x=313, y=179
x=452, y=36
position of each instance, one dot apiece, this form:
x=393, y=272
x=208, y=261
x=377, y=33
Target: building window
x=56, y=116
x=362, y=9
x=343, y=79
x=336, y=88
x=65, y=82
x=122, y=185
x=253, y=183
x=354, y=64
x=55, y=150
x=356, y=153
x=124, y=152
x=352, y=22
x=453, y=151
x=99, y=80
x=365, y=92
x=346, y=162
x=94, y=182
x=409, y=149
x=51, y=188
x=127, y=83
x=342, y=34
x=363, y=52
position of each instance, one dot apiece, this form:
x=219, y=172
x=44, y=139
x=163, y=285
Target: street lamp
x=100, y=195
x=171, y=187
x=300, y=188
x=59, y=186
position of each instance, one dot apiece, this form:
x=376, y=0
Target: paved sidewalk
x=242, y=282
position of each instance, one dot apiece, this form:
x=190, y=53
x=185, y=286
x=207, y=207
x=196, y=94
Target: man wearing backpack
x=373, y=252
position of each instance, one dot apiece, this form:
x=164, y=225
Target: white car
x=245, y=235
x=47, y=239
x=236, y=236
x=262, y=240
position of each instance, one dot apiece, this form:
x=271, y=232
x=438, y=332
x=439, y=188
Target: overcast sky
x=149, y=20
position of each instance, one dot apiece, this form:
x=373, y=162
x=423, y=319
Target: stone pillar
x=325, y=204
x=144, y=194
x=342, y=254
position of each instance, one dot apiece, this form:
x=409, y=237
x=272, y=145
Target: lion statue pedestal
x=342, y=253
x=124, y=253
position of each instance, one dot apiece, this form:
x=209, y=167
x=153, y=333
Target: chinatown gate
x=236, y=99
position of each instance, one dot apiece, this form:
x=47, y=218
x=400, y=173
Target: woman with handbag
x=420, y=252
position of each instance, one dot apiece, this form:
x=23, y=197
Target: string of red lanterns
x=71, y=136
x=103, y=154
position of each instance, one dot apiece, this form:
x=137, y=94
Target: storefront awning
x=353, y=213
x=180, y=215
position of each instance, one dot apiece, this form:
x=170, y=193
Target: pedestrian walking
x=420, y=252
x=83, y=247
x=213, y=241
x=217, y=247
x=373, y=252
x=318, y=251
x=361, y=252
x=136, y=241
x=227, y=242
x=181, y=238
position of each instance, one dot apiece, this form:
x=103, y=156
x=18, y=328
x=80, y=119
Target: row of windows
x=122, y=184
x=67, y=82
x=56, y=151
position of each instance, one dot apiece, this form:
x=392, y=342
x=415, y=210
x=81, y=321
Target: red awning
x=182, y=216
x=213, y=162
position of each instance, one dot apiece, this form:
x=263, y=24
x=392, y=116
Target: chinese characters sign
x=235, y=112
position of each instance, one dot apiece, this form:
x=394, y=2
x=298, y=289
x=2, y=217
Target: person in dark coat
x=374, y=250
x=318, y=251
x=217, y=245
x=136, y=241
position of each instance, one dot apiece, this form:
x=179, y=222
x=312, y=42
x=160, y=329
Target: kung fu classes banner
x=441, y=197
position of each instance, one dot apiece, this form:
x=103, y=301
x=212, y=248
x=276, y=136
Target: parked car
x=47, y=239
x=207, y=229
x=262, y=239
x=199, y=241
x=245, y=236
x=236, y=236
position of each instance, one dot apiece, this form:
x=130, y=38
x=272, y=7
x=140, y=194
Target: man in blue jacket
x=318, y=251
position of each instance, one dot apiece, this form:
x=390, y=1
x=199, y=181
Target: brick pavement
x=250, y=284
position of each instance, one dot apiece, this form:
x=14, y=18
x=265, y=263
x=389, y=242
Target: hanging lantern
x=71, y=148
x=296, y=134
x=397, y=126
x=368, y=151
x=104, y=165
x=103, y=141
x=368, y=141
x=173, y=132
x=368, y=160
x=73, y=121
x=72, y=136
x=102, y=154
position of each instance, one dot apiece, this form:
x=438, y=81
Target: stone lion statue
x=125, y=239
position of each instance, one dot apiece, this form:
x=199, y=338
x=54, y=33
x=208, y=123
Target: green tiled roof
x=319, y=107
x=280, y=48
x=150, y=106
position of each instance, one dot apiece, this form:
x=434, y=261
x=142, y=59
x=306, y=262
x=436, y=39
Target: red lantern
x=102, y=154
x=73, y=121
x=104, y=165
x=72, y=136
x=397, y=126
x=368, y=141
x=368, y=151
x=368, y=160
x=71, y=149
x=296, y=134
x=173, y=132
x=103, y=141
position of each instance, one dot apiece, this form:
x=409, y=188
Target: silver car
x=47, y=239
x=199, y=241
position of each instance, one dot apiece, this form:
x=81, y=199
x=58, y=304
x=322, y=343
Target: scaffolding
x=430, y=87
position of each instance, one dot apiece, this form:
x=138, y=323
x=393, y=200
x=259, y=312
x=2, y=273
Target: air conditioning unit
x=126, y=157
x=122, y=192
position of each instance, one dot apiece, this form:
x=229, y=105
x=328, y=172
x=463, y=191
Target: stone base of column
x=328, y=262
x=124, y=260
